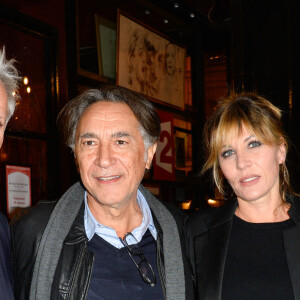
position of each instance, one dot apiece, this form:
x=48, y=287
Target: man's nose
x=105, y=156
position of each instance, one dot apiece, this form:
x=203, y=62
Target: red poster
x=164, y=159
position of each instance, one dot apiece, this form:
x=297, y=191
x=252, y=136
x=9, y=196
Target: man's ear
x=151, y=151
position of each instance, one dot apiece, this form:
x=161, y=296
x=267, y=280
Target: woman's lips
x=249, y=179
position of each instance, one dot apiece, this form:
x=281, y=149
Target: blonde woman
x=249, y=248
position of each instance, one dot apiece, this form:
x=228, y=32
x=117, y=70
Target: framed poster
x=148, y=63
x=106, y=46
x=18, y=187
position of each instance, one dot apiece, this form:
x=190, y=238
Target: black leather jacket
x=73, y=272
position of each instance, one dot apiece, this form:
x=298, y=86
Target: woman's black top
x=256, y=267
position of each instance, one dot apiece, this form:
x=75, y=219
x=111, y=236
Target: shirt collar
x=92, y=226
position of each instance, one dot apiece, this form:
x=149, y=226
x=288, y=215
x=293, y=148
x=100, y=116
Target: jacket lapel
x=291, y=238
x=210, y=256
x=210, y=250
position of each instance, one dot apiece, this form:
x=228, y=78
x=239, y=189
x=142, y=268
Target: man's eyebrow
x=88, y=135
x=120, y=134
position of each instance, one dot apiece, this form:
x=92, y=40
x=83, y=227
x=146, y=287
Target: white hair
x=9, y=78
x=148, y=140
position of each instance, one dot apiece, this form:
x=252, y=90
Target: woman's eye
x=227, y=153
x=254, y=144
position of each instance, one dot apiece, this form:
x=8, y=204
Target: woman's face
x=251, y=167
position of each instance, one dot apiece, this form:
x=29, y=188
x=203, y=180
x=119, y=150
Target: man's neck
x=122, y=219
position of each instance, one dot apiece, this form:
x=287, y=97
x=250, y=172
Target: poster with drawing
x=149, y=63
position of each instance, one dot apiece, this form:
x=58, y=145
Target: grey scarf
x=58, y=228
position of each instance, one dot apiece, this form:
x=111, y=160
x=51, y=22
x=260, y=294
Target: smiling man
x=107, y=237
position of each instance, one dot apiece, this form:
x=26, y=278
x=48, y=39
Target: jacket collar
x=294, y=211
x=221, y=215
x=77, y=231
x=212, y=246
x=225, y=213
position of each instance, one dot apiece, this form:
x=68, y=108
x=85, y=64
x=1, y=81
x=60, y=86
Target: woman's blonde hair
x=259, y=116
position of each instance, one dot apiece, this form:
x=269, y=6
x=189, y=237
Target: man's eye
x=120, y=142
x=89, y=143
x=227, y=153
x=254, y=144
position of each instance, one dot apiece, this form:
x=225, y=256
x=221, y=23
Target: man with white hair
x=8, y=84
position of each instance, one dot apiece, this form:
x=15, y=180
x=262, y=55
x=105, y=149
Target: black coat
x=73, y=270
x=6, y=291
x=208, y=235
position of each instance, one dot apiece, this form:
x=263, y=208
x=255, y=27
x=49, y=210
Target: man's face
x=3, y=112
x=110, y=153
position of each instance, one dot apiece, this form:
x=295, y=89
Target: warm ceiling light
x=25, y=80
x=176, y=5
x=192, y=15
x=28, y=90
x=166, y=21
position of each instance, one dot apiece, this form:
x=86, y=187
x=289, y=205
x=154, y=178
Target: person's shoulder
x=3, y=220
x=197, y=222
x=153, y=202
x=201, y=221
x=174, y=210
x=34, y=218
x=4, y=229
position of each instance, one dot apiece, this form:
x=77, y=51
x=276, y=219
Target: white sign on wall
x=18, y=187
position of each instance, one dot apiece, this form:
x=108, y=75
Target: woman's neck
x=263, y=212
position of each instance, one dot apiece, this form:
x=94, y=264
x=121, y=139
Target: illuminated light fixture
x=215, y=203
x=25, y=80
x=166, y=21
x=14, y=93
x=211, y=201
x=176, y=4
x=16, y=118
x=186, y=205
x=147, y=11
x=192, y=15
x=28, y=90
